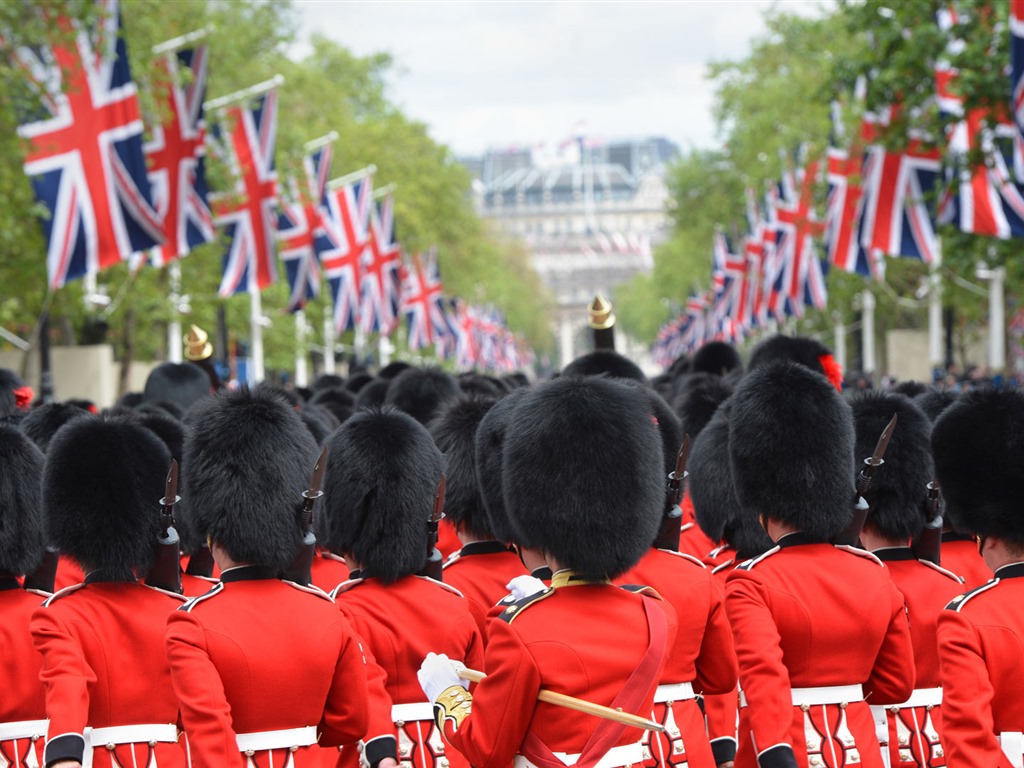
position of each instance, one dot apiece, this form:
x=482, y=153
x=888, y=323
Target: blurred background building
x=590, y=213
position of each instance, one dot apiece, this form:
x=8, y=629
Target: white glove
x=436, y=675
x=524, y=586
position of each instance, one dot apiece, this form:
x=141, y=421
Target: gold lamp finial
x=601, y=315
x=197, y=344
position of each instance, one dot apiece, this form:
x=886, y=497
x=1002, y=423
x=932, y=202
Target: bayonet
x=861, y=508
x=301, y=569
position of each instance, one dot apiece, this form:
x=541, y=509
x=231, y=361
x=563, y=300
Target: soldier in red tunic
x=263, y=668
x=582, y=473
x=108, y=686
x=979, y=461
x=911, y=732
x=483, y=567
x=820, y=630
x=22, y=707
x=382, y=476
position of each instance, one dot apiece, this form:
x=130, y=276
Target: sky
x=500, y=73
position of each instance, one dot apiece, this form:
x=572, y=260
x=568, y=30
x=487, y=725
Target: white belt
x=408, y=713
x=616, y=757
x=673, y=692
x=133, y=734
x=1012, y=743
x=827, y=694
x=921, y=697
x=263, y=740
x=24, y=729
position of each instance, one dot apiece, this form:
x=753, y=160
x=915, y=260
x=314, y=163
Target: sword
x=166, y=570
x=851, y=535
x=571, y=702
x=301, y=569
x=434, y=566
x=671, y=523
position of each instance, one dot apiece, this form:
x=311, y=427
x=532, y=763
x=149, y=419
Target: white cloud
x=485, y=73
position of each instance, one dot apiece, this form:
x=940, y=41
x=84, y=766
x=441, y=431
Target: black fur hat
x=41, y=423
x=328, y=381
x=716, y=357
x=421, y=392
x=804, y=350
x=606, y=361
x=935, y=401
x=978, y=445
x=583, y=479
x=320, y=422
x=669, y=426
x=383, y=471
x=910, y=388
x=178, y=383
x=718, y=511
x=248, y=458
x=21, y=519
x=488, y=452
x=791, y=449
x=454, y=432
x=899, y=488
x=357, y=381
x=102, y=486
x=372, y=394
x=478, y=384
x=700, y=397
x=393, y=369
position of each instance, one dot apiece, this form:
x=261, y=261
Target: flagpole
x=867, y=306
x=996, y=277
x=320, y=141
x=174, y=336
x=935, y=352
x=245, y=93
x=329, y=336
x=839, y=345
x=387, y=189
x=177, y=43
x=348, y=178
x=257, y=373
x=301, y=369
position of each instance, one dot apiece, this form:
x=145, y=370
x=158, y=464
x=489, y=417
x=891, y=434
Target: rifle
x=301, y=569
x=671, y=523
x=851, y=534
x=200, y=562
x=927, y=545
x=42, y=578
x=435, y=562
x=166, y=570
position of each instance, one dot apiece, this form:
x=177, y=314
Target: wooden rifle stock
x=927, y=545
x=165, y=572
x=200, y=562
x=434, y=566
x=671, y=522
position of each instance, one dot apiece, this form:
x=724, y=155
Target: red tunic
x=582, y=639
x=702, y=654
x=981, y=645
x=22, y=698
x=401, y=623
x=103, y=666
x=809, y=615
x=692, y=539
x=259, y=654
x=194, y=586
x=447, y=539
x=960, y=555
x=329, y=570
x=915, y=732
x=722, y=711
x=480, y=571
x=68, y=574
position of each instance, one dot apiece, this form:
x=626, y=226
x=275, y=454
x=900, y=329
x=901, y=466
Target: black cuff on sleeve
x=779, y=756
x=379, y=748
x=723, y=749
x=67, y=746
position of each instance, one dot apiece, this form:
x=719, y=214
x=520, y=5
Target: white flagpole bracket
x=348, y=178
x=387, y=189
x=246, y=93
x=182, y=41
x=320, y=141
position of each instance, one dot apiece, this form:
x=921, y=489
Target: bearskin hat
x=488, y=452
x=102, y=484
x=178, y=383
x=21, y=518
x=978, y=446
x=899, y=488
x=478, y=384
x=454, y=432
x=935, y=401
x=910, y=389
x=716, y=357
x=806, y=351
x=669, y=426
x=582, y=467
x=421, y=392
x=718, y=511
x=791, y=449
x=383, y=471
x=319, y=421
x=515, y=380
x=357, y=381
x=606, y=361
x=700, y=397
x=393, y=369
x=328, y=381
x=41, y=423
x=372, y=394
x=248, y=458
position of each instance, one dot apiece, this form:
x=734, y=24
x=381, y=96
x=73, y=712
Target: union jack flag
x=298, y=223
x=176, y=155
x=248, y=215
x=379, y=274
x=421, y=302
x=897, y=220
x=345, y=233
x=803, y=273
x=1017, y=83
x=462, y=319
x=85, y=153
